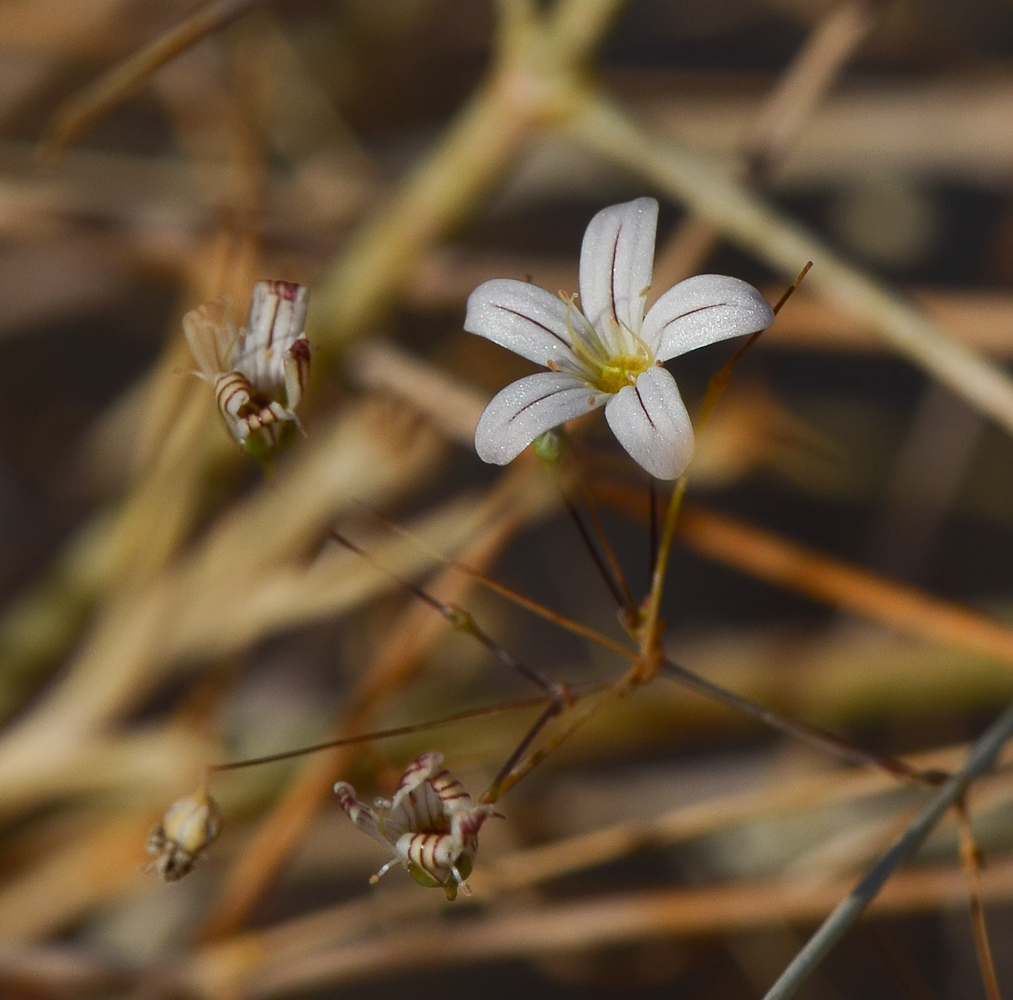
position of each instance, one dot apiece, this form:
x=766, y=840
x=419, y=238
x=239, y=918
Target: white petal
x=277, y=317
x=651, y=423
x=358, y=812
x=527, y=408
x=521, y=317
x=277, y=314
x=616, y=261
x=701, y=311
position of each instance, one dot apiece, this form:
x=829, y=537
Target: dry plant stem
x=126, y=545
x=84, y=109
x=771, y=133
x=499, y=784
x=129, y=546
x=610, y=555
x=452, y=406
x=582, y=851
x=652, y=659
x=652, y=528
x=143, y=632
x=608, y=568
x=252, y=955
x=970, y=857
x=571, y=721
x=58, y=970
x=980, y=319
x=380, y=734
x=575, y=628
x=247, y=957
x=535, y=81
x=816, y=737
x=388, y=673
x=101, y=862
x=980, y=760
x=650, y=638
x=811, y=73
x=832, y=581
x=462, y=621
x=746, y=219
x=262, y=970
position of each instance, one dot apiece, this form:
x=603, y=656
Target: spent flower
x=187, y=827
x=258, y=372
x=607, y=350
x=430, y=825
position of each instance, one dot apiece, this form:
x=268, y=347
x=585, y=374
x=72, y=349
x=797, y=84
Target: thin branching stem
x=980, y=760
x=649, y=634
x=495, y=789
x=381, y=734
x=816, y=737
x=970, y=857
x=84, y=109
x=462, y=621
x=609, y=552
x=615, y=586
x=575, y=628
x=652, y=513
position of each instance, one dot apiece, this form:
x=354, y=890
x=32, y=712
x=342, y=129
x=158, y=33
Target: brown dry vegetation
x=842, y=558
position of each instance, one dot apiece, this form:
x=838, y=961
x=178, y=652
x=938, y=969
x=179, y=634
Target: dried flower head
x=258, y=372
x=188, y=826
x=609, y=349
x=431, y=824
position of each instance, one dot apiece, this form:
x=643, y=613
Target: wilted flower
x=258, y=372
x=187, y=827
x=431, y=824
x=606, y=350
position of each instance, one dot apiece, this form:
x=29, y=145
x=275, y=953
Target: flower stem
x=650, y=638
x=380, y=734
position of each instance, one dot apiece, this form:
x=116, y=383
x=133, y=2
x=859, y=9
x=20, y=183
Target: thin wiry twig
x=816, y=737
x=981, y=758
x=970, y=857
x=84, y=109
x=380, y=734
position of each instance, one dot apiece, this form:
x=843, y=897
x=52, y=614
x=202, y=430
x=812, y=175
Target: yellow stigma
x=621, y=371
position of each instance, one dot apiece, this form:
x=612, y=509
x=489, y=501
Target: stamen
x=373, y=879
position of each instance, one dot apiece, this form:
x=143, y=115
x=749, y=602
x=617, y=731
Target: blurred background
x=845, y=556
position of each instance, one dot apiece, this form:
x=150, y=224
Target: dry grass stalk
x=390, y=670
x=591, y=922
x=159, y=605
x=842, y=585
x=742, y=217
x=775, y=127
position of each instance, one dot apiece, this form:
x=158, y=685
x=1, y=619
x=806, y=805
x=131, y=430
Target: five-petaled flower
x=258, y=372
x=606, y=350
x=431, y=825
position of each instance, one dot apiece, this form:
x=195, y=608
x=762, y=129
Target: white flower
x=431, y=824
x=606, y=351
x=259, y=372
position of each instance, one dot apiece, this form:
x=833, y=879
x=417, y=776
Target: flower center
x=610, y=360
x=621, y=371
